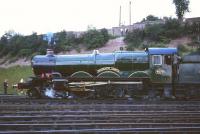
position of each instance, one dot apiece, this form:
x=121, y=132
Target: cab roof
x=160, y=51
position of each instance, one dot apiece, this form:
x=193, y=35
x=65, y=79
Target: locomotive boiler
x=117, y=74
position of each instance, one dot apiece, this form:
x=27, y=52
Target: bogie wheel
x=33, y=93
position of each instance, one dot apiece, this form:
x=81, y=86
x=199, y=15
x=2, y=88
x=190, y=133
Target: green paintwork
x=140, y=74
x=81, y=74
x=108, y=74
x=159, y=78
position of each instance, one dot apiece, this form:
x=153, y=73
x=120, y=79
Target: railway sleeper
x=112, y=130
x=76, y=126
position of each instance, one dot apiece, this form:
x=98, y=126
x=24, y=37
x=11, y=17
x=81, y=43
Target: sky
x=42, y=16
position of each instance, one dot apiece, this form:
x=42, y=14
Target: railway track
x=19, y=114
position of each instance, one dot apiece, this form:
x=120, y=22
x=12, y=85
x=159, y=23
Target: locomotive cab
x=162, y=64
x=164, y=68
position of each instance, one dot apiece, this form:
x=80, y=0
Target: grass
x=14, y=75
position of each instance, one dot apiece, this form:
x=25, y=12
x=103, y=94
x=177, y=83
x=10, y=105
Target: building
x=122, y=30
x=192, y=20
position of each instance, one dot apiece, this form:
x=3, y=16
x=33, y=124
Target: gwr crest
x=108, y=69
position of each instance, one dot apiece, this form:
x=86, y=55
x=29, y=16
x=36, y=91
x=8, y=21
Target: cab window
x=157, y=60
x=168, y=59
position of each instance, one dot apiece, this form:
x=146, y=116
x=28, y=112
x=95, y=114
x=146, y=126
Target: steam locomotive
x=150, y=73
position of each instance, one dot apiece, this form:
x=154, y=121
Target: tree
x=150, y=18
x=182, y=6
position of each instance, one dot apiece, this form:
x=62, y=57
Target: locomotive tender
x=117, y=74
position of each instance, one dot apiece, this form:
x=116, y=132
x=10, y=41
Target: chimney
x=120, y=13
x=130, y=13
x=50, y=52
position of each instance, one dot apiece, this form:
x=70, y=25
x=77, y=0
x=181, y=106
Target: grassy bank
x=13, y=75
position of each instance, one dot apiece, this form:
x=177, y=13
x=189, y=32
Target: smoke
x=50, y=92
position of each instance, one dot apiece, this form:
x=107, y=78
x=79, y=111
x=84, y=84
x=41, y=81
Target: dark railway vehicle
x=153, y=72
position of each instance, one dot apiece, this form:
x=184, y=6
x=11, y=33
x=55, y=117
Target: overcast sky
x=42, y=16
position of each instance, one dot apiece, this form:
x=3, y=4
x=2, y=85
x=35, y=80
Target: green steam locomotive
x=150, y=73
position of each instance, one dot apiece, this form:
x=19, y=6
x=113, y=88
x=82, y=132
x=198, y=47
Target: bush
x=65, y=41
x=136, y=44
x=16, y=45
x=24, y=52
x=34, y=54
x=164, y=32
x=186, y=49
x=67, y=48
x=183, y=48
x=154, y=32
x=94, y=39
x=159, y=34
x=156, y=45
x=105, y=34
x=134, y=39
